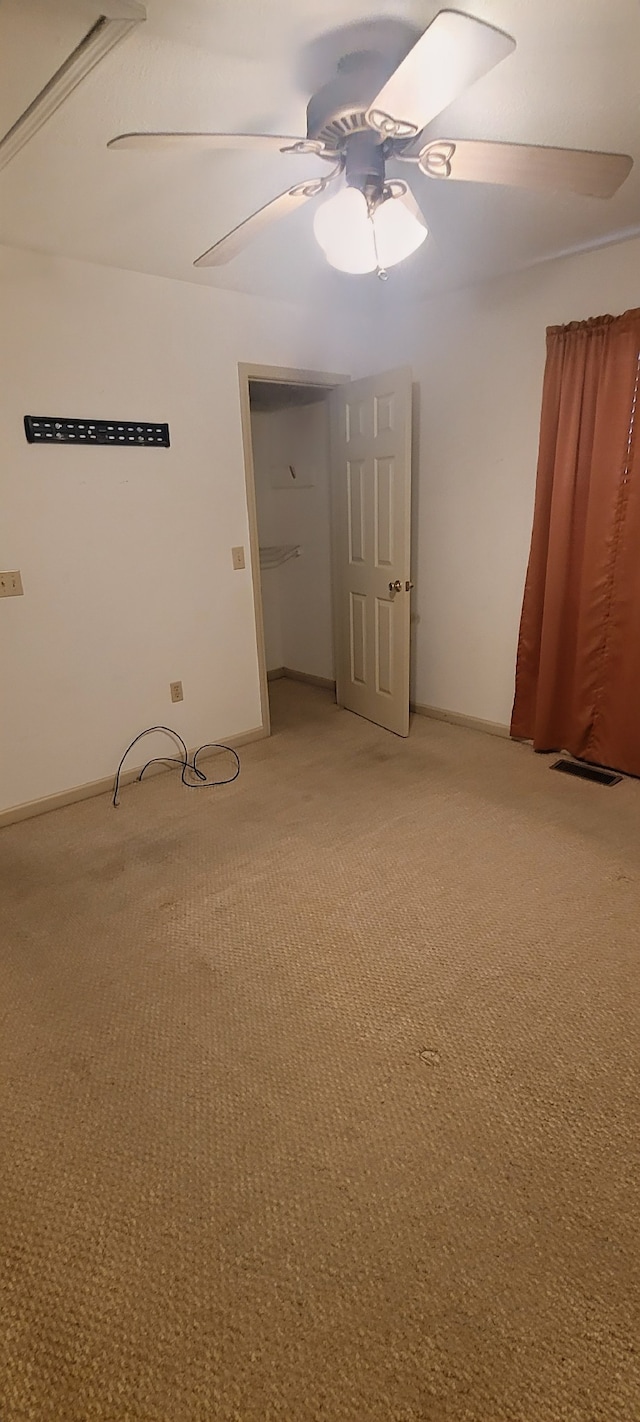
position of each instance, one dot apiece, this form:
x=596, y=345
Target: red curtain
x=578, y=664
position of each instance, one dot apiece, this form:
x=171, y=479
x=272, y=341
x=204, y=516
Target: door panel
x=371, y=517
x=384, y=647
x=358, y=630
x=384, y=473
x=355, y=476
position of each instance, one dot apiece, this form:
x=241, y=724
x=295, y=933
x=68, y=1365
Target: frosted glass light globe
x=398, y=231
x=343, y=229
x=356, y=241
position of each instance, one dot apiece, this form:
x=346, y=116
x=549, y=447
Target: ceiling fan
x=364, y=117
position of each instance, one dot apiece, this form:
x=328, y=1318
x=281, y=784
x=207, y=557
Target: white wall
x=297, y=595
x=125, y=554
x=479, y=357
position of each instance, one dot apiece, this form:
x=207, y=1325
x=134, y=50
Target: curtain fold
x=578, y=661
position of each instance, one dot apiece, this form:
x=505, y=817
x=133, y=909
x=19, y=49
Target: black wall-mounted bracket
x=50, y=429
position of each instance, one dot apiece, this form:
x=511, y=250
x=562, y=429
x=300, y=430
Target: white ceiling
x=250, y=65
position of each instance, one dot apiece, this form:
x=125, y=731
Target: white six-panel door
x=371, y=533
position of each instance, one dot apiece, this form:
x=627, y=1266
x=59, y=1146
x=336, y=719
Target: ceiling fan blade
x=516, y=165
x=257, y=142
x=454, y=52
x=235, y=241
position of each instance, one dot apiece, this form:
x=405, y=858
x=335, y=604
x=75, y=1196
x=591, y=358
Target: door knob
x=395, y=587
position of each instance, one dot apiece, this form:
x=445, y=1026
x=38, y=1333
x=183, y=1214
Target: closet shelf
x=276, y=554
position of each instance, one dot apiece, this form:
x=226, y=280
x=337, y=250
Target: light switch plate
x=11, y=584
x=237, y=558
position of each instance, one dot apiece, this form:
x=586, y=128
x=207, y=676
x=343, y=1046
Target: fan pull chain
x=381, y=272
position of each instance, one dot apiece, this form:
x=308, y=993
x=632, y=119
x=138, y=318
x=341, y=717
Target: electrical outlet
x=175, y=688
x=237, y=558
x=11, y=584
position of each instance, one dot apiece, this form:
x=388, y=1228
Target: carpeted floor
x=320, y=1092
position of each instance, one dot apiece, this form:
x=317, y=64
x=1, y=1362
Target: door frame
x=283, y=375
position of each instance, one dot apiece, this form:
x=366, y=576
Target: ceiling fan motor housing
x=364, y=164
x=338, y=110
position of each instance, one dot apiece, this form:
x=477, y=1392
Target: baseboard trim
x=309, y=678
x=456, y=718
x=92, y=788
x=276, y=674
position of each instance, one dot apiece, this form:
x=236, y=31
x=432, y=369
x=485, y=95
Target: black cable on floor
x=189, y=767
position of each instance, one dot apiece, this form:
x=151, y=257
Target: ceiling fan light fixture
x=358, y=240
x=399, y=228
x=344, y=231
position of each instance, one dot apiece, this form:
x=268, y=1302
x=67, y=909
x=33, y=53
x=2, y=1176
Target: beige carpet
x=321, y=1091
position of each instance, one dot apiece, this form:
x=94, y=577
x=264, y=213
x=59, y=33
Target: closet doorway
x=289, y=432
x=328, y=480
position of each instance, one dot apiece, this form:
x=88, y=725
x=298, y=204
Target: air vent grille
x=587, y=772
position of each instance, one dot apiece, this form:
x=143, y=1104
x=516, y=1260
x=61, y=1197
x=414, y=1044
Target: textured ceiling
x=241, y=64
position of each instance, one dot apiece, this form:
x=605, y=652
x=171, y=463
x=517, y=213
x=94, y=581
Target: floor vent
x=587, y=772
